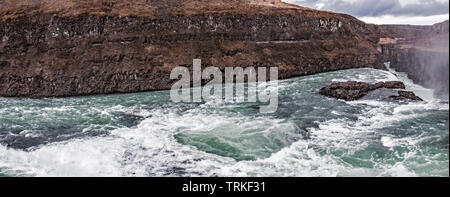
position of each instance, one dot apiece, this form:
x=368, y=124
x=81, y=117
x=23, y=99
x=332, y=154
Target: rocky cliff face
x=69, y=47
x=421, y=52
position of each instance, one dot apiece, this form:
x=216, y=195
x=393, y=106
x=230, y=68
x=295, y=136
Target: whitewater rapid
x=144, y=134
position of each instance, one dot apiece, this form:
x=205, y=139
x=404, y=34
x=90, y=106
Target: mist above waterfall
x=433, y=54
x=421, y=52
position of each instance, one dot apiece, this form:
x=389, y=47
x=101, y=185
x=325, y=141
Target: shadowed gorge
x=421, y=52
x=69, y=48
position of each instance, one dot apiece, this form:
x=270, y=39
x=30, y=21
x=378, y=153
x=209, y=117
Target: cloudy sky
x=417, y=12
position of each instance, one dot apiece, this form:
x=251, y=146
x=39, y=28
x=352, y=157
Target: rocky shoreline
x=75, y=48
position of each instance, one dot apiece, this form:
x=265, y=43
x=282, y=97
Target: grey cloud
x=379, y=7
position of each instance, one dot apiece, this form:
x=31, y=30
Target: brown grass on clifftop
x=144, y=8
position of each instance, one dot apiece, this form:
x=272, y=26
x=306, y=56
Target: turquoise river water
x=145, y=134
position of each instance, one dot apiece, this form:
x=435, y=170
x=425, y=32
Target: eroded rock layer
x=68, y=48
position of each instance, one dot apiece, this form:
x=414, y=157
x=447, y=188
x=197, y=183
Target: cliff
x=56, y=48
x=421, y=52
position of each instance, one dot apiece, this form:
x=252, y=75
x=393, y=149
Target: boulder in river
x=402, y=95
x=353, y=90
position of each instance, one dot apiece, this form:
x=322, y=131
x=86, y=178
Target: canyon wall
x=52, y=48
x=420, y=51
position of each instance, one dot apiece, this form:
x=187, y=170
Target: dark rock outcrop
x=353, y=90
x=54, y=48
x=402, y=95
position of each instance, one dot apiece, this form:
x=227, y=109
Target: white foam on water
x=87, y=157
x=340, y=134
x=388, y=142
x=424, y=93
x=302, y=158
x=367, y=75
x=298, y=160
x=398, y=170
x=147, y=150
x=150, y=149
